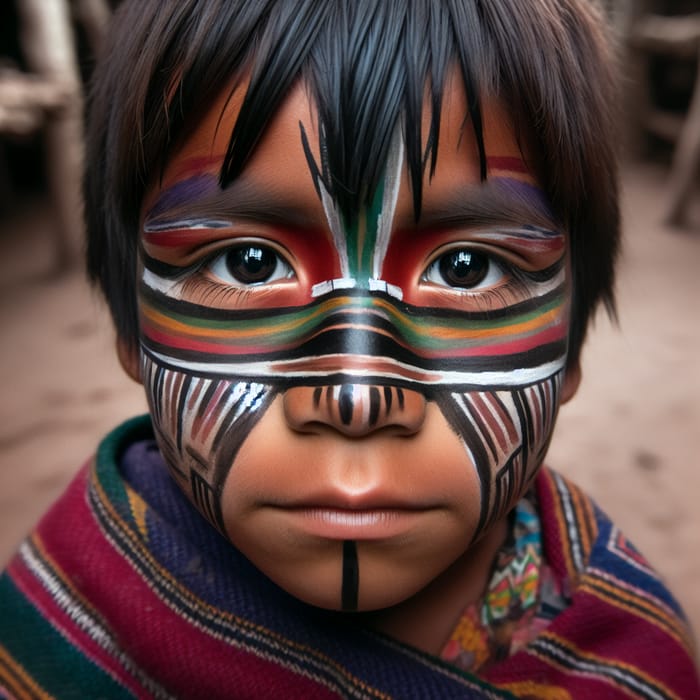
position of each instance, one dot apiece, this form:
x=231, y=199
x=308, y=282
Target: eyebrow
x=496, y=202
x=500, y=201
x=242, y=199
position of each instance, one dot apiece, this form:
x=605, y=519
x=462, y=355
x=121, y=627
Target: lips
x=345, y=499
x=360, y=516
x=345, y=524
x=352, y=518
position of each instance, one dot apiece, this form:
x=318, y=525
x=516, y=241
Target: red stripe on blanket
x=46, y=601
x=597, y=647
x=595, y=650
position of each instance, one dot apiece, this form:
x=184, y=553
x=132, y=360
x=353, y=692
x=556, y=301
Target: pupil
x=464, y=268
x=251, y=264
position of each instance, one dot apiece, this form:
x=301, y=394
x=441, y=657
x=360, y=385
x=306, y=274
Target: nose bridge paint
x=363, y=239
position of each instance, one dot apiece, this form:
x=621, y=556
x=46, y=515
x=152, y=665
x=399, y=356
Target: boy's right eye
x=250, y=264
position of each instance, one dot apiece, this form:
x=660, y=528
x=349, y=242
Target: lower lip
x=331, y=523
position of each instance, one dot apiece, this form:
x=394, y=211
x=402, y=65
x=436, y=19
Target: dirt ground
x=631, y=437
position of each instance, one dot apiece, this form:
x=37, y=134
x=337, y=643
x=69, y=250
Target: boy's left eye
x=250, y=264
x=464, y=268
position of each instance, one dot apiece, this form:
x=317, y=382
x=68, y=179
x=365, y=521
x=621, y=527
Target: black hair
x=368, y=64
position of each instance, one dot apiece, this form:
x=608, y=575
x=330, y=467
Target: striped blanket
x=124, y=590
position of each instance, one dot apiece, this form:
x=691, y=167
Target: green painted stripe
x=309, y=317
x=372, y=216
x=420, y=333
x=360, y=235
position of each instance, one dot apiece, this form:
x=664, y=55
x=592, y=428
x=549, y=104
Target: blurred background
x=631, y=437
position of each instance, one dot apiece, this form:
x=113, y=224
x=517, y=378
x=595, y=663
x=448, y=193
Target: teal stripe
x=46, y=655
x=361, y=256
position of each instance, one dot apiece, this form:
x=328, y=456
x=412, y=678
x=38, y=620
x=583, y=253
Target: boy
x=350, y=249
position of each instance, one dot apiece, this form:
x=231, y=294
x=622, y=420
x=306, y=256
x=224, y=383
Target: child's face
x=352, y=403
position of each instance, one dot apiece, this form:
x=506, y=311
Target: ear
x=128, y=354
x=572, y=378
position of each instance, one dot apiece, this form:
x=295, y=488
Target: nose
x=354, y=410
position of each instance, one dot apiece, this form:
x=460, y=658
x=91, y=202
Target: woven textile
x=124, y=590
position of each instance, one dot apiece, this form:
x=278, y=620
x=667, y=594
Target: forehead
x=280, y=166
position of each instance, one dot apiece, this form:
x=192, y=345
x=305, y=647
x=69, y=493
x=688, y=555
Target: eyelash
x=508, y=294
x=211, y=292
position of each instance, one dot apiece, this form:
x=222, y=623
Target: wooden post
x=634, y=63
x=677, y=36
x=49, y=47
x=94, y=16
x=686, y=160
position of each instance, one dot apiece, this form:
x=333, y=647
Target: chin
x=323, y=585
x=370, y=597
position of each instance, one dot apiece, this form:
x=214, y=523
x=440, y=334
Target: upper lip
x=343, y=500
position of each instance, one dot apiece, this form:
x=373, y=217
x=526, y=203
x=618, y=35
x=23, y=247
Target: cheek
x=200, y=424
x=507, y=433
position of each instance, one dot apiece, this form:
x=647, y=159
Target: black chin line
x=351, y=577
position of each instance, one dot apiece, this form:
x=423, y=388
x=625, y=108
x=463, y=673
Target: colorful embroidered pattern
x=521, y=599
x=622, y=634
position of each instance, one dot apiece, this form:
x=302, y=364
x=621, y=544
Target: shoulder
x=624, y=634
x=585, y=546
x=57, y=592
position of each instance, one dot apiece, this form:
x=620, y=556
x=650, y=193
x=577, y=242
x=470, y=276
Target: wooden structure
x=49, y=98
x=649, y=29
x=678, y=36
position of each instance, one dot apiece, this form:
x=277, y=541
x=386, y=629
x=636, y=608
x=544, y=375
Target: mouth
x=345, y=513
x=355, y=524
x=329, y=523
x=366, y=519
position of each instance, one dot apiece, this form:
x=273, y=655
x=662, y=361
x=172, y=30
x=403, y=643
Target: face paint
x=360, y=336
x=361, y=242
x=360, y=327
x=351, y=577
x=200, y=423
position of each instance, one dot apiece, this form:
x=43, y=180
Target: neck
x=426, y=620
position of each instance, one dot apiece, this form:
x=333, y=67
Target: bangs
x=368, y=67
